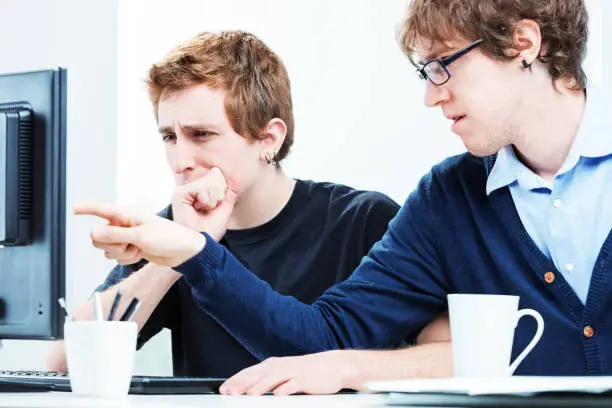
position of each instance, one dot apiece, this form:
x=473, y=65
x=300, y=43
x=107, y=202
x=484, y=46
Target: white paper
x=515, y=385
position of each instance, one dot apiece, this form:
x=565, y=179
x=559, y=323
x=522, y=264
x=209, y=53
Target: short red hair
x=254, y=77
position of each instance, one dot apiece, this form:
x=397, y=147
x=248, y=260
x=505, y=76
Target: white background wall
x=358, y=106
x=606, y=8
x=81, y=36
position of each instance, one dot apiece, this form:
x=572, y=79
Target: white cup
x=482, y=333
x=100, y=356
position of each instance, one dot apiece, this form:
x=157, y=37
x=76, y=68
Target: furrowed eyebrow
x=196, y=126
x=188, y=127
x=434, y=54
x=429, y=57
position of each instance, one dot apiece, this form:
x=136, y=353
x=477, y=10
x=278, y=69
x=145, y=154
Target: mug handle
x=534, y=341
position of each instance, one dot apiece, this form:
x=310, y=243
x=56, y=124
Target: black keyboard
x=139, y=385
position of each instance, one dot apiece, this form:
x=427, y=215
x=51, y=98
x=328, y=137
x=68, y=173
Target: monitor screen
x=32, y=203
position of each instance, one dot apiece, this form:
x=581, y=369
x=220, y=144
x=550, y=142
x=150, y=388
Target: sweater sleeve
x=396, y=290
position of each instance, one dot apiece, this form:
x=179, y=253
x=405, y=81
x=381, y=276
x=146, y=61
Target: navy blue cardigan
x=449, y=237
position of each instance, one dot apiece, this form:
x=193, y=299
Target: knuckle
x=130, y=250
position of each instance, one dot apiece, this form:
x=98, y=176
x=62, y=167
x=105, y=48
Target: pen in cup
x=98, y=311
x=113, y=309
x=130, y=310
x=62, y=303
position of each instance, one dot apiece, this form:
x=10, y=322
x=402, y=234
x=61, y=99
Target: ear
x=527, y=40
x=274, y=132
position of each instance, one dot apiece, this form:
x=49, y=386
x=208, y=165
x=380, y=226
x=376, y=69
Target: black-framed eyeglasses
x=437, y=70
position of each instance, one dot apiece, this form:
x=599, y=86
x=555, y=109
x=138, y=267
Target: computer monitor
x=32, y=203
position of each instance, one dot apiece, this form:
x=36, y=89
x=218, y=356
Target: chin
x=482, y=151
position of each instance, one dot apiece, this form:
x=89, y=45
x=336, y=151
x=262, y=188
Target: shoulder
x=342, y=198
x=461, y=165
x=444, y=188
x=456, y=175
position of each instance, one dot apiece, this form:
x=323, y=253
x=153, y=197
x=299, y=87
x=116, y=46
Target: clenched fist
x=205, y=205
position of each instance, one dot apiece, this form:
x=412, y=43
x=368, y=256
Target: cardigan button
x=588, y=332
x=549, y=277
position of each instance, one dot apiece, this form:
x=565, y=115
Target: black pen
x=113, y=310
x=131, y=309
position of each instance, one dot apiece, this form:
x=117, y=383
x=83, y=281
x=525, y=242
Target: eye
x=202, y=133
x=167, y=137
x=436, y=69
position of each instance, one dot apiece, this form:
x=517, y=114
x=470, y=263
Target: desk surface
x=65, y=399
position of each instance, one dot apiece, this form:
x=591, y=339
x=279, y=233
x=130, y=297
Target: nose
x=435, y=95
x=184, y=160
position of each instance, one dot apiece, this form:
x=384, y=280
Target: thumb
x=231, y=194
x=115, y=235
x=226, y=206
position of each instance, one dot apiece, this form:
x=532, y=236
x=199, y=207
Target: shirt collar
x=592, y=140
x=502, y=173
x=508, y=169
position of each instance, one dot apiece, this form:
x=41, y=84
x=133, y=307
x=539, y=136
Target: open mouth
x=457, y=119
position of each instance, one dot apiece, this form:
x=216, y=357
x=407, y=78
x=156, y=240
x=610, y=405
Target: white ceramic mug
x=100, y=356
x=482, y=333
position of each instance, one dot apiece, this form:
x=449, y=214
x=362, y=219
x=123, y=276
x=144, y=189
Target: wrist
x=156, y=275
x=194, y=245
x=352, y=373
x=179, y=216
x=199, y=242
x=163, y=274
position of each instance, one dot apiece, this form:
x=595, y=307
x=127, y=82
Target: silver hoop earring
x=270, y=158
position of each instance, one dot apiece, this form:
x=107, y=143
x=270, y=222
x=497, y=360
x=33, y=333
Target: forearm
x=375, y=308
x=149, y=285
x=265, y=322
x=425, y=361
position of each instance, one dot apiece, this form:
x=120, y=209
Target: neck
x=262, y=201
x=551, y=126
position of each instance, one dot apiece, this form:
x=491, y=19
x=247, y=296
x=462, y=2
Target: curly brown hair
x=254, y=77
x=563, y=25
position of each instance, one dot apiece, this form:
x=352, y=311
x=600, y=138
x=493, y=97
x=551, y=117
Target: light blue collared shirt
x=570, y=217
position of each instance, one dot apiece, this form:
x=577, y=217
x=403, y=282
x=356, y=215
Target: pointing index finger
x=107, y=211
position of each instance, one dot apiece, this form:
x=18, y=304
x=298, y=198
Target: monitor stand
x=19, y=387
